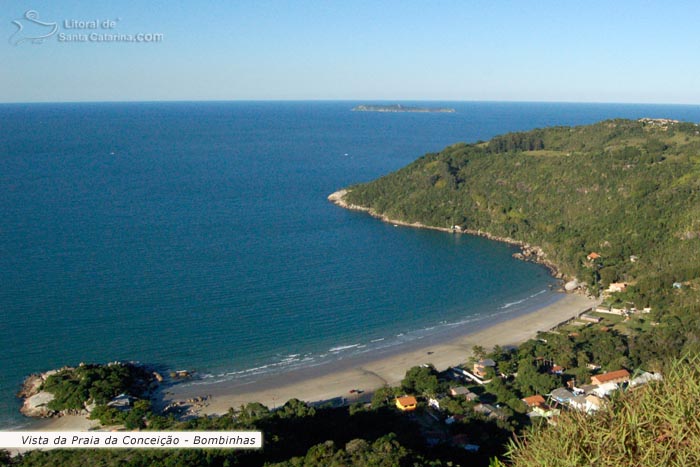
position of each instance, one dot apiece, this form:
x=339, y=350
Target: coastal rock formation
x=37, y=405
x=572, y=285
x=35, y=400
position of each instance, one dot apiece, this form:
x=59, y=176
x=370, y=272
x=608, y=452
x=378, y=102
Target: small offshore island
x=401, y=108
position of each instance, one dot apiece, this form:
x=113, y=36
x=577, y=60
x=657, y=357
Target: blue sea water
x=198, y=235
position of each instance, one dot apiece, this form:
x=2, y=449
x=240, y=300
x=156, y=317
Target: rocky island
x=400, y=108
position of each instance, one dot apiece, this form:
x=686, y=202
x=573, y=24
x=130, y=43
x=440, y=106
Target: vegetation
x=657, y=424
x=295, y=434
x=74, y=387
x=627, y=190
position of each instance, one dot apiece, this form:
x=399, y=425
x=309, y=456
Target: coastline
x=327, y=382
x=333, y=380
x=529, y=252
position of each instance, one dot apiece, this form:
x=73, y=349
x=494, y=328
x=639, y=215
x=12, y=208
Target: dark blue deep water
x=198, y=235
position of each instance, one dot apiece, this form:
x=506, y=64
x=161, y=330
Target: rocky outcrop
x=37, y=405
x=35, y=400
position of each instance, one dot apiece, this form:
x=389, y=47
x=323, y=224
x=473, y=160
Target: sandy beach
x=330, y=381
x=368, y=372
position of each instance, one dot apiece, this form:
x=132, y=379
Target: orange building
x=619, y=376
x=593, y=256
x=406, y=403
x=534, y=401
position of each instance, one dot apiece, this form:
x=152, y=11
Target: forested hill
x=626, y=190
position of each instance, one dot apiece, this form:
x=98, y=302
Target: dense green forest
x=627, y=190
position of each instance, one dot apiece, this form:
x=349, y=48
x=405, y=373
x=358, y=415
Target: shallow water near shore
x=198, y=236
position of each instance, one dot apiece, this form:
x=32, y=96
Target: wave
x=283, y=363
x=518, y=302
x=343, y=347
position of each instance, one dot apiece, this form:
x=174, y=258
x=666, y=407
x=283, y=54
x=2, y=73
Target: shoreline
x=333, y=380
x=529, y=253
x=368, y=373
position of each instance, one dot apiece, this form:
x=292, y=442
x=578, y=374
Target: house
x=590, y=318
x=619, y=376
x=544, y=411
x=578, y=403
x=561, y=395
x=617, y=287
x=586, y=404
x=481, y=366
x=121, y=402
x=434, y=402
x=461, y=391
x=592, y=256
x=594, y=402
x=557, y=370
x=585, y=389
x=471, y=397
x=644, y=378
x=489, y=410
x=605, y=389
x=610, y=310
x=406, y=403
x=534, y=401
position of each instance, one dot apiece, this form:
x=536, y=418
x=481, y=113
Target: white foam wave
x=343, y=347
x=518, y=302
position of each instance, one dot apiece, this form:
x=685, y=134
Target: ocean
x=197, y=235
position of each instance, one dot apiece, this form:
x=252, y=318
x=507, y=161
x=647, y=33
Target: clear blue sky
x=599, y=51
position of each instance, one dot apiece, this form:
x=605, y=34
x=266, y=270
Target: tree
x=251, y=413
x=530, y=381
x=421, y=380
x=294, y=408
x=479, y=352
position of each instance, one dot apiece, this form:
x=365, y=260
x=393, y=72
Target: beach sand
x=330, y=381
x=367, y=373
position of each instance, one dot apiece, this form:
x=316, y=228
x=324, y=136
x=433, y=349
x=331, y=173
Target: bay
x=198, y=235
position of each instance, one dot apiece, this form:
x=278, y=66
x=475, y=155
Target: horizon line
x=383, y=100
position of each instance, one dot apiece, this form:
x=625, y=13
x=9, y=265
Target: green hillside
x=627, y=190
x=653, y=425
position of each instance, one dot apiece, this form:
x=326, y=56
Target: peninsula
x=401, y=108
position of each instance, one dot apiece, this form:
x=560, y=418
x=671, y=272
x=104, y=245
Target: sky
x=560, y=51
